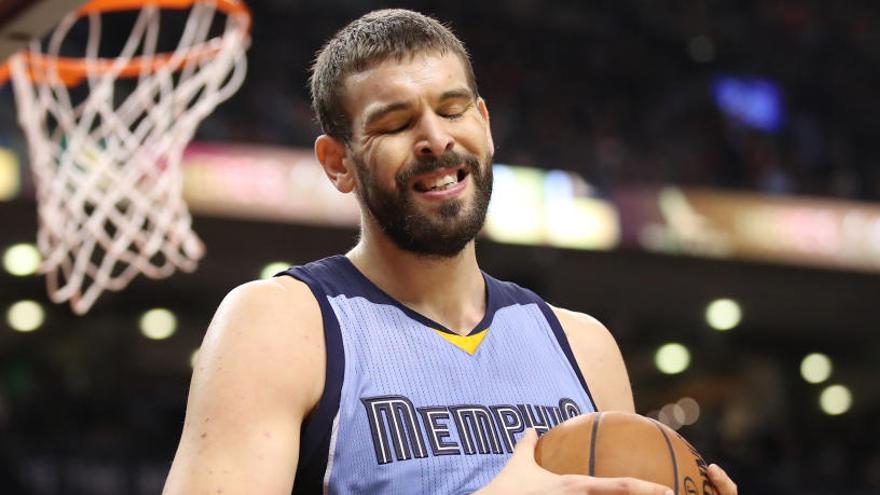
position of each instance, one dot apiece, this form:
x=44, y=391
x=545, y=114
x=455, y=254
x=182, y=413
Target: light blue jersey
x=409, y=407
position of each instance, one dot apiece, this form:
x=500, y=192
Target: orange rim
x=230, y=7
x=71, y=71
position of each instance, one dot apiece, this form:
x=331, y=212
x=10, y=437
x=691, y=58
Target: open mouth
x=440, y=180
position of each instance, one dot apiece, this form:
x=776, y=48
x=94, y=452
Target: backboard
x=23, y=20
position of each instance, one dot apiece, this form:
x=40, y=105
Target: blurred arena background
x=701, y=175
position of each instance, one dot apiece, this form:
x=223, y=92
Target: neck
x=450, y=290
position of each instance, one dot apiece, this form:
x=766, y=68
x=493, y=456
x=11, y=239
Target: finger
x=722, y=481
x=525, y=447
x=626, y=486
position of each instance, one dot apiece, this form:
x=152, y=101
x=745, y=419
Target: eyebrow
x=463, y=93
x=378, y=113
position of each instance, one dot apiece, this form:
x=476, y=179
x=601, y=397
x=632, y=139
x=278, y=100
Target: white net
x=107, y=165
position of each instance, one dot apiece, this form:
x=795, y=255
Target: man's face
x=422, y=152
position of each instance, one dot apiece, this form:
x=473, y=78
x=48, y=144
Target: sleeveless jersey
x=410, y=407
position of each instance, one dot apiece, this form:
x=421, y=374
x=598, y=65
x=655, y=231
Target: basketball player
x=399, y=367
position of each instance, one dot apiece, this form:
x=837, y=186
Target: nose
x=433, y=138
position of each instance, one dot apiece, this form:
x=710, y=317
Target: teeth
x=444, y=181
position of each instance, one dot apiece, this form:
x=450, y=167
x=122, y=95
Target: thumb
x=526, y=445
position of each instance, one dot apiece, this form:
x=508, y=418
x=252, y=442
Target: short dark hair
x=368, y=40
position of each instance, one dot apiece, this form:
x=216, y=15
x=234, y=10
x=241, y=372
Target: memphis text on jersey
x=402, y=431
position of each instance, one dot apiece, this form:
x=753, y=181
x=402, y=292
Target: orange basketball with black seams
x=620, y=445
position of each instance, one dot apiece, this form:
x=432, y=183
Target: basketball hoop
x=107, y=165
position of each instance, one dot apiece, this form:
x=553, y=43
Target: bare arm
x=260, y=370
x=599, y=359
x=601, y=363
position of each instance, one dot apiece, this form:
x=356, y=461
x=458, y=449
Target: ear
x=484, y=112
x=331, y=152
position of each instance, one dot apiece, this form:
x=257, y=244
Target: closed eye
x=397, y=129
x=455, y=111
x=453, y=116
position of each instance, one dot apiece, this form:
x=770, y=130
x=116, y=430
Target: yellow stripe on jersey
x=467, y=343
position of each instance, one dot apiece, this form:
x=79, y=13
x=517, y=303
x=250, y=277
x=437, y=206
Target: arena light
x=21, y=259
x=691, y=410
x=10, y=174
x=516, y=212
x=672, y=358
x=25, y=316
x=194, y=357
x=723, y=314
x=816, y=367
x=158, y=324
x=672, y=415
x=835, y=400
x=271, y=269
x=573, y=220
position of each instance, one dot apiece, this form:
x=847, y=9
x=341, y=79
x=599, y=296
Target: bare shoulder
x=282, y=303
x=259, y=372
x=574, y=322
x=285, y=295
x=271, y=329
x=588, y=334
x=599, y=359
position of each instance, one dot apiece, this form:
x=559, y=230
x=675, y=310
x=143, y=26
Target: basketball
x=619, y=444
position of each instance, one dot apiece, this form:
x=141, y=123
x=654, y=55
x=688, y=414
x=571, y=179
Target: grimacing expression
x=443, y=233
x=421, y=150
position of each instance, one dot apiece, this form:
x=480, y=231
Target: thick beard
x=443, y=234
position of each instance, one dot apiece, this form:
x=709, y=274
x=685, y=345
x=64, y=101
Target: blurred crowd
x=621, y=91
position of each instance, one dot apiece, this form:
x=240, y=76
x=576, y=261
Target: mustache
x=431, y=164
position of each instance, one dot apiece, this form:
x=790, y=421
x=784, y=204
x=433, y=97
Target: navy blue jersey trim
x=508, y=293
x=314, y=447
x=375, y=294
x=563, y=343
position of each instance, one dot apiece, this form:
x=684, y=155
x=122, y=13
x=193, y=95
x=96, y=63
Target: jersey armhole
x=317, y=427
x=562, y=340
